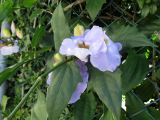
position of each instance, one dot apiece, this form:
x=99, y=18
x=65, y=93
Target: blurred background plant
x=136, y=24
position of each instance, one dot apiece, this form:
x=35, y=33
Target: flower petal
x=81, y=53
x=49, y=79
x=81, y=87
x=83, y=70
x=100, y=61
x=67, y=47
x=9, y=50
x=119, y=46
x=110, y=42
x=95, y=34
x=107, y=61
x=95, y=39
x=15, y=48
x=97, y=47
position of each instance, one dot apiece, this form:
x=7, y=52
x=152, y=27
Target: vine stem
x=154, y=64
x=73, y=4
x=33, y=88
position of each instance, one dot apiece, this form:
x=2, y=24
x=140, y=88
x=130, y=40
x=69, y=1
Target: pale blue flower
x=9, y=50
x=95, y=45
x=104, y=53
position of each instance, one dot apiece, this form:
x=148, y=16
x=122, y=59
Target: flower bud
x=5, y=29
x=13, y=28
x=78, y=30
x=57, y=58
x=5, y=33
x=19, y=33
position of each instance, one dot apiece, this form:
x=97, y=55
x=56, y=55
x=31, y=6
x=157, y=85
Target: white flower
x=9, y=50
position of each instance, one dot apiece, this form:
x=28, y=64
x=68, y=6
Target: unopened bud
x=57, y=58
x=78, y=30
x=13, y=28
x=5, y=33
x=19, y=33
x=5, y=29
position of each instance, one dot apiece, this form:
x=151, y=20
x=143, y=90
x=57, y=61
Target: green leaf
x=93, y=7
x=153, y=8
x=108, y=87
x=29, y=3
x=148, y=90
x=39, y=111
x=128, y=36
x=87, y=106
x=136, y=109
x=60, y=27
x=35, y=14
x=140, y=3
x=39, y=33
x=148, y=1
x=4, y=102
x=62, y=86
x=107, y=116
x=149, y=26
x=47, y=40
x=134, y=71
x=145, y=11
x=155, y=112
x=157, y=74
x=5, y=9
x=10, y=71
x=28, y=118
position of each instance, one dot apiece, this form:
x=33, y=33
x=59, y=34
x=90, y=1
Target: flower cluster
x=91, y=44
x=8, y=45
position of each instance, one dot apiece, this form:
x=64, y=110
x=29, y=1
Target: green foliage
x=136, y=109
x=148, y=90
x=128, y=36
x=134, y=71
x=39, y=111
x=29, y=3
x=93, y=7
x=107, y=116
x=10, y=71
x=59, y=26
x=4, y=102
x=141, y=3
x=150, y=26
x=5, y=9
x=155, y=113
x=61, y=88
x=87, y=106
x=107, y=85
x=147, y=6
x=157, y=75
x=35, y=14
x=39, y=33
